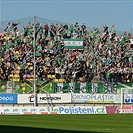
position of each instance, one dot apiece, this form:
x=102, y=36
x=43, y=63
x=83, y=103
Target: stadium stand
x=104, y=53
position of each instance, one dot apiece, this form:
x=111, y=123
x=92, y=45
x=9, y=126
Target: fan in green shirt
x=107, y=75
x=59, y=45
x=71, y=28
x=7, y=46
x=29, y=32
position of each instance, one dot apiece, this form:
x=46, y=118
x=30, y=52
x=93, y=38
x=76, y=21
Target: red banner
x=117, y=109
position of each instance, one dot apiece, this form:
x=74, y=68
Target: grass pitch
x=111, y=123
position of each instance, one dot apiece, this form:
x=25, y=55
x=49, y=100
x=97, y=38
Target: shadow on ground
x=15, y=129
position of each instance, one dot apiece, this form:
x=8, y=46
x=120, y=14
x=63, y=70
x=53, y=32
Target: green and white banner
x=71, y=87
x=73, y=43
x=82, y=88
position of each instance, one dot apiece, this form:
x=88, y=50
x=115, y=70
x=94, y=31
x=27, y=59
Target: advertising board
x=8, y=98
x=80, y=110
x=43, y=98
x=96, y=98
x=117, y=109
x=23, y=110
x=128, y=98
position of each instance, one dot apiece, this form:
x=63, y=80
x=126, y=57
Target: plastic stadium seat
x=11, y=75
x=44, y=68
x=23, y=88
x=56, y=80
x=64, y=80
x=16, y=52
x=53, y=77
x=28, y=63
x=50, y=84
x=49, y=76
x=18, y=79
x=128, y=81
x=31, y=68
x=14, y=79
x=23, y=84
x=16, y=75
x=61, y=80
x=18, y=67
x=59, y=72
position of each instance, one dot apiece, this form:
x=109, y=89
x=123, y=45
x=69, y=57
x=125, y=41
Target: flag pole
x=34, y=47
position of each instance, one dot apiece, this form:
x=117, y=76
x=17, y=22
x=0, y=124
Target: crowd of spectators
x=104, y=52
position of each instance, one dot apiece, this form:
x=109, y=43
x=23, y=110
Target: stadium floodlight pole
x=121, y=99
x=131, y=57
x=131, y=62
x=103, y=92
x=34, y=47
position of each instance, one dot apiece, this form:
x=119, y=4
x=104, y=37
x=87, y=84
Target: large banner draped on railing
x=82, y=88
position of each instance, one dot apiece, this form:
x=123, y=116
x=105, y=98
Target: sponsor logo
x=74, y=110
x=6, y=110
x=31, y=98
x=23, y=110
x=11, y=111
x=125, y=109
x=33, y=110
x=50, y=98
x=100, y=110
x=117, y=109
x=8, y=98
x=42, y=110
x=15, y=110
x=80, y=110
x=128, y=98
x=92, y=97
x=27, y=111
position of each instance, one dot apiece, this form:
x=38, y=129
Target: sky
x=94, y=13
